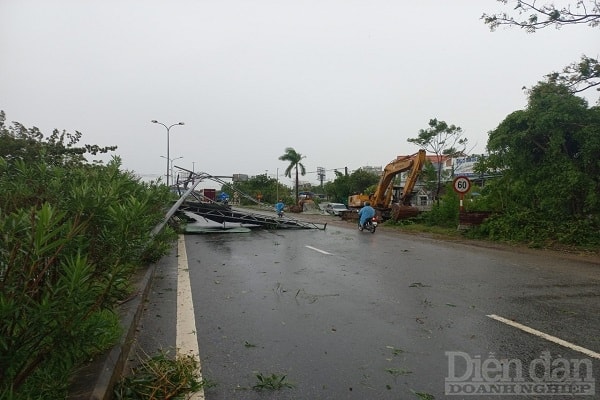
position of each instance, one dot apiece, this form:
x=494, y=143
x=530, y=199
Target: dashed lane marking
x=543, y=335
x=187, y=338
x=319, y=250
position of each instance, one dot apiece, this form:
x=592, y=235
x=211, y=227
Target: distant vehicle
x=335, y=208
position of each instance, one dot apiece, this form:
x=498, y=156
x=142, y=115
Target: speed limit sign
x=461, y=184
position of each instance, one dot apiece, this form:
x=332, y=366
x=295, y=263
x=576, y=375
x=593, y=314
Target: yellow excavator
x=381, y=199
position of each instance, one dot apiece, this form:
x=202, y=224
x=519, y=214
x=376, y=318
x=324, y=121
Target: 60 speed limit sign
x=461, y=184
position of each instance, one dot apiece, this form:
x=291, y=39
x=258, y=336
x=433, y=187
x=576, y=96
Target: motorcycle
x=370, y=225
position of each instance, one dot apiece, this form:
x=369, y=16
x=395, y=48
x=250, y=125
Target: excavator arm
x=383, y=194
x=413, y=177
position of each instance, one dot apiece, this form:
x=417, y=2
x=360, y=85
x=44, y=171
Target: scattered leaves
x=271, y=382
x=162, y=377
x=423, y=395
x=418, y=285
x=395, y=351
x=397, y=371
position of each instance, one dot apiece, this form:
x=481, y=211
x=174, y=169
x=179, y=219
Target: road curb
x=95, y=381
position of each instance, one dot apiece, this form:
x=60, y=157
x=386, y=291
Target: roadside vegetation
x=547, y=161
x=73, y=234
x=269, y=190
x=547, y=156
x=162, y=377
x=295, y=163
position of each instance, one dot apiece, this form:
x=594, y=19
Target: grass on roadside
x=162, y=377
x=411, y=227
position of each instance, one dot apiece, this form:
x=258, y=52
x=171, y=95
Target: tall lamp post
x=171, y=161
x=168, y=128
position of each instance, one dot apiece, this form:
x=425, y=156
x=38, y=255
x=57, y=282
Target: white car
x=335, y=208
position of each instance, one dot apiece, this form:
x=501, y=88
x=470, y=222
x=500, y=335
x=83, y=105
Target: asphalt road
x=344, y=314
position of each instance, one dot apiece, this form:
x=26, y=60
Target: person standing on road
x=365, y=213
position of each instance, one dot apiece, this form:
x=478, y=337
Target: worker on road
x=365, y=213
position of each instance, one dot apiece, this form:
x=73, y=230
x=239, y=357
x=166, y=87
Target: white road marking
x=543, y=335
x=187, y=339
x=319, y=250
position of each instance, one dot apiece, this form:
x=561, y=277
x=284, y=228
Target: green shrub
x=537, y=230
x=445, y=212
x=71, y=240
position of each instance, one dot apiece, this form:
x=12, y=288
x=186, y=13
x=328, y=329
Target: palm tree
x=294, y=158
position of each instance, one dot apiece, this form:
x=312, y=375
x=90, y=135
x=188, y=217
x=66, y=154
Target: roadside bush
x=71, y=239
x=536, y=230
x=445, y=212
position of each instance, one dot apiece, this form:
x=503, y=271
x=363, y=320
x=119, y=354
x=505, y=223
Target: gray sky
x=343, y=82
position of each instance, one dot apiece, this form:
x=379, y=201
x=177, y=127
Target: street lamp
x=168, y=128
x=171, y=160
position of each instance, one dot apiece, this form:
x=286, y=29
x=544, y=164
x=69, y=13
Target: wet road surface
x=350, y=315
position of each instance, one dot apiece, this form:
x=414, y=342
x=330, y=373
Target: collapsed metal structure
x=222, y=214
x=192, y=202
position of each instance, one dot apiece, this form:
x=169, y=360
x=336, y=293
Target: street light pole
x=172, y=170
x=168, y=128
x=172, y=160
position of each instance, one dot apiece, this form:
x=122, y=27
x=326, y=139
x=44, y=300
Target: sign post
x=461, y=185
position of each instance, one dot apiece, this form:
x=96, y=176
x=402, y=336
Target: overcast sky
x=343, y=82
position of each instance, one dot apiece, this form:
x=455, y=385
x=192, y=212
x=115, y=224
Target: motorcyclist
x=365, y=213
x=279, y=207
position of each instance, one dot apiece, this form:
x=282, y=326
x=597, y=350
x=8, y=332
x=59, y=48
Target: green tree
x=533, y=15
x=362, y=181
x=269, y=189
x=343, y=186
x=73, y=233
x=337, y=190
x=30, y=145
x=549, y=158
x=429, y=177
x=442, y=140
x=294, y=158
